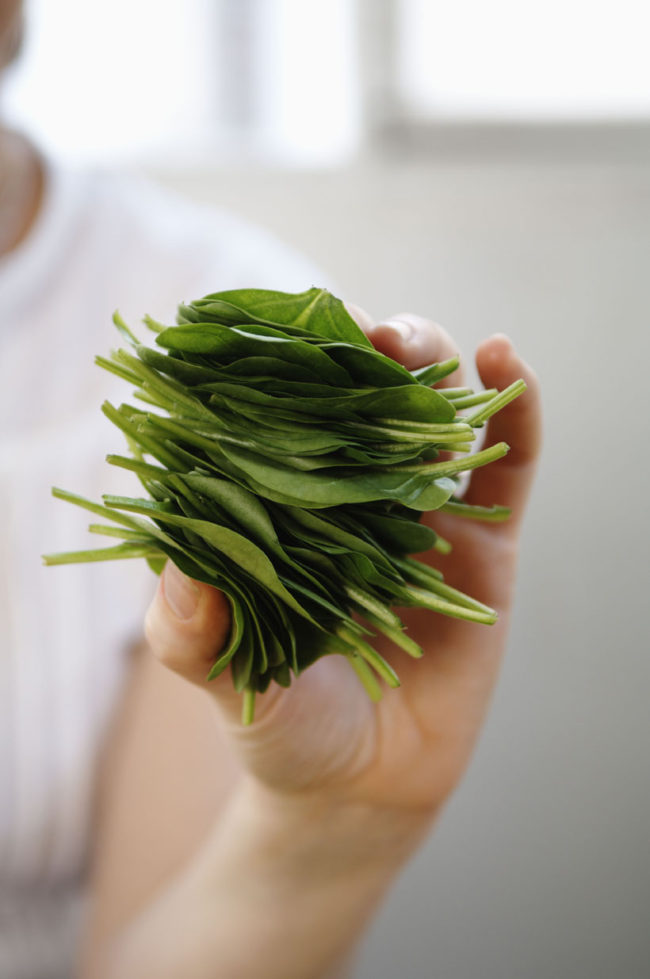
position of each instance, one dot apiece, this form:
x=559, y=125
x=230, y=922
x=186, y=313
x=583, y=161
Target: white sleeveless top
x=101, y=242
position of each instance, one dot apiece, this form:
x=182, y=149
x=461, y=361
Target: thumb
x=186, y=626
x=300, y=735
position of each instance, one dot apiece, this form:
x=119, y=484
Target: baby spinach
x=287, y=462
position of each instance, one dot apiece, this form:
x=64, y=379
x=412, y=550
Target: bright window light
x=505, y=58
x=139, y=79
x=100, y=81
x=307, y=79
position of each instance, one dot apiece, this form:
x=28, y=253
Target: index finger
x=413, y=341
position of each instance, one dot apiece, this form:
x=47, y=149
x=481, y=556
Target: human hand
x=322, y=738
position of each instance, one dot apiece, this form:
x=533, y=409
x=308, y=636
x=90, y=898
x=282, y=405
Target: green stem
x=125, y=330
x=495, y=514
x=248, y=706
x=458, y=447
x=121, y=532
x=410, y=435
x=458, y=597
x=417, y=571
x=369, y=604
x=153, y=324
x=441, y=545
x=118, y=553
x=435, y=428
x=395, y=634
x=169, y=426
x=169, y=391
x=118, y=369
x=496, y=403
x=435, y=372
x=452, y=394
x=366, y=676
x=452, y=466
x=137, y=466
x=371, y=656
x=425, y=599
x=478, y=398
x=131, y=430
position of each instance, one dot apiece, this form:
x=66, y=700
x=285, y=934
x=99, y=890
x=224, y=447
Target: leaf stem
x=494, y=514
x=474, y=398
x=427, y=600
x=452, y=466
x=118, y=553
x=366, y=676
x=248, y=706
x=371, y=656
x=435, y=372
x=496, y=403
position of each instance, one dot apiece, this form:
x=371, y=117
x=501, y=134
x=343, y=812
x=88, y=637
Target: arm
x=281, y=889
x=334, y=792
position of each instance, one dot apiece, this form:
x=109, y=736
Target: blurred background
x=487, y=165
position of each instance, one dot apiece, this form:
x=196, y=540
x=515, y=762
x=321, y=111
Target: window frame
x=392, y=129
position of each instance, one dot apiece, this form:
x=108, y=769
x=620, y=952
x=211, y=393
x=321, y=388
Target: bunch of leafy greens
x=288, y=463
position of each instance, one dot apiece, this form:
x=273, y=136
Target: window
x=106, y=80
x=100, y=81
x=310, y=83
x=579, y=59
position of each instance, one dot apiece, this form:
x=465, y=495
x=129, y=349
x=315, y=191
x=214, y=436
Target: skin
x=21, y=166
x=11, y=30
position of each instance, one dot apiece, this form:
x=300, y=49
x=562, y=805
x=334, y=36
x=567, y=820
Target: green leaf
x=234, y=546
x=332, y=489
x=316, y=311
x=287, y=463
x=400, y=535
x=227, y=345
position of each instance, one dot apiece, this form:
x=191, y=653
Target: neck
x=21, y=188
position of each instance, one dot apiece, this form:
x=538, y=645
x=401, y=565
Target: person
x=208, y=850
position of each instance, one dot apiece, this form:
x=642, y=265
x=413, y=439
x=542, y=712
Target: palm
x=430, y=723
x=410, y=748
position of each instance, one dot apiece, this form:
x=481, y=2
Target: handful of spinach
x=288, y=463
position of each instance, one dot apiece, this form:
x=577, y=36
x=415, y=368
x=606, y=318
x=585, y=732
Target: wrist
x=303, y=865
x=302, y=871
x=318, y=837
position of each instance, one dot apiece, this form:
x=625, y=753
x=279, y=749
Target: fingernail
x=404, y=330
x=181, y=593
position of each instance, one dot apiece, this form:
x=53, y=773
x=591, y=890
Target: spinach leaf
x=288, y=463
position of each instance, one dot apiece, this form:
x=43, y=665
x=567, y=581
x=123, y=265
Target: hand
x=323, y=739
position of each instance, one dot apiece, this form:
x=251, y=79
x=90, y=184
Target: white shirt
x=101, y=242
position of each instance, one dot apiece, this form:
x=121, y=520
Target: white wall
x=540, y=866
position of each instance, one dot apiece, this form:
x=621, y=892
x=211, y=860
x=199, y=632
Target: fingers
x=416, y=342
x=187, y=625
x=300, y=735
x=361, y=317
x=411, y=340
x=508, y=480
